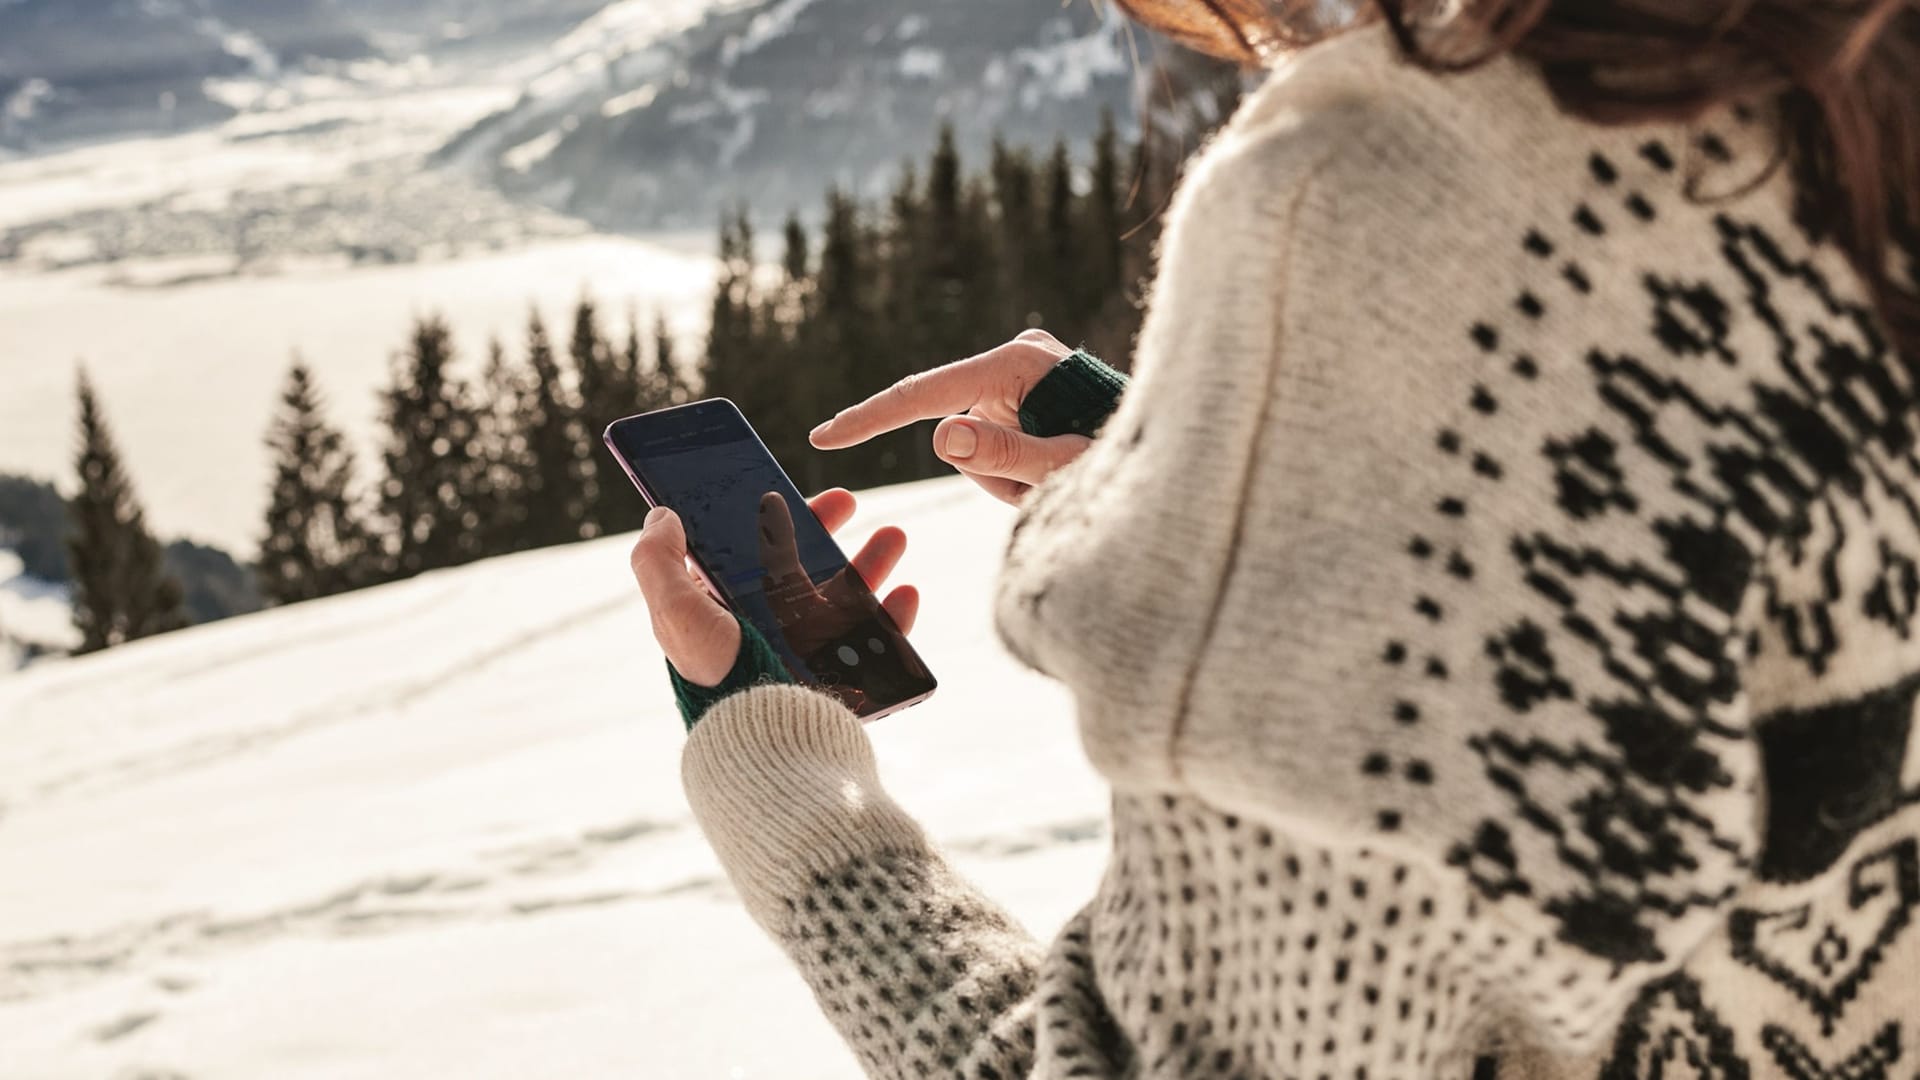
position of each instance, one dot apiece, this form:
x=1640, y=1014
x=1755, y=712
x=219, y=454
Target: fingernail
x=960, y=441
x=654, y=515
x=815, y=433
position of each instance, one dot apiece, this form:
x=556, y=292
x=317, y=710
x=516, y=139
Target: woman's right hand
x=983, y=440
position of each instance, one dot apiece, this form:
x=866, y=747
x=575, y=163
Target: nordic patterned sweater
x=1493, y=607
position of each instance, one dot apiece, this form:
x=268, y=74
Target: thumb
x=700, y=638
x=985, y=449
x=660, y=565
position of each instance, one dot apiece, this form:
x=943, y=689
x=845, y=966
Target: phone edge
x=606, y=438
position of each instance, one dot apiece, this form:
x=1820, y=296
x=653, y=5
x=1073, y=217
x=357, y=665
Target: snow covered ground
x=436, y=829
x=31, y=612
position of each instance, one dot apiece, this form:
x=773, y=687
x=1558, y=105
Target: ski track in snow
x=435, y=828
x=355, y=703
x=386, y=904
x=396, y=904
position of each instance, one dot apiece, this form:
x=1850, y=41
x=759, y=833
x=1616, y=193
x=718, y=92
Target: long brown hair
x=1844, y=74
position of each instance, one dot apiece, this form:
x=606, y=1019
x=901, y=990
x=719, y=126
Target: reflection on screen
x=768, y=556
x=720, y=485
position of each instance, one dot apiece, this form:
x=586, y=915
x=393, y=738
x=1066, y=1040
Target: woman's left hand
x=700, y=637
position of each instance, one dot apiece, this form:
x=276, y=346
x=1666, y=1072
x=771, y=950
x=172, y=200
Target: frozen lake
x=190, y=373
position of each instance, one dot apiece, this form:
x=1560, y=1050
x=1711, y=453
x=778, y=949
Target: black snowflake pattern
x=1762, y=401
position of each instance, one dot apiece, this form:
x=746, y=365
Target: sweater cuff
x=756, y=665
x=1074, y=398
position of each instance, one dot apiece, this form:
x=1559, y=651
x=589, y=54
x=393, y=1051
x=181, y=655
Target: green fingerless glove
x=756, y=665
x=1074, y=398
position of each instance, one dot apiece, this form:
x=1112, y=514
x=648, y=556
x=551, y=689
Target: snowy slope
x=436, y=829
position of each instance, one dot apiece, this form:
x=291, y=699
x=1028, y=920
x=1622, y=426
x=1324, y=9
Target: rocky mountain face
x=631, y=114
x=769, y=102
x=88, y=69
x=76, y=69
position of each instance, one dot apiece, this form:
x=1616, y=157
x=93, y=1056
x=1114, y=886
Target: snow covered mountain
x=73, y=69
x=436, y=829
x=86, y=69
x=630, y=113
x=770, y=101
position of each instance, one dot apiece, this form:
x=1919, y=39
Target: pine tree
x=905, y=308
x=556, y=495
x=947, y=268
x=603, y=390
x=740, y=363
x=432, y=471
x=959, y=262
x=1119, y=238
x=787, y=313
x=724, y=319
x=316, y=543
x=623, y=510
x=644, y=391
x=902, y=302
x=506, y=463
x=978, y=274
x=646, y=384
x=1105, y=267
x=776, y=347
x=674, y=388
x=605, y=396
x=121, y=591
x=747, y=329
x=797, y=260
x=1018, y=253
x=628, y=391
x=841, y=342
x=945, y=248
x=1061, y=277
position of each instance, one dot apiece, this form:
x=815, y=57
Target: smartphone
x=761, y=552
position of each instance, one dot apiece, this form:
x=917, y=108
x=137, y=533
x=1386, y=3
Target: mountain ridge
x=81, y=70
x=772, y=102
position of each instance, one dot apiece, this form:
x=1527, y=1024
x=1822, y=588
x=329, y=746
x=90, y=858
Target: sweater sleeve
x=919, y=973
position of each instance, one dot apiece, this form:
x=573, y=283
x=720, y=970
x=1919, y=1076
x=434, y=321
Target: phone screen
x=767, y=556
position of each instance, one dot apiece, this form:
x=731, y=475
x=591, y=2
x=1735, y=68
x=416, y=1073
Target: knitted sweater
x=1493, y=607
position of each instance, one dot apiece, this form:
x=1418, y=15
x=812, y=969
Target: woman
x=1492, y=603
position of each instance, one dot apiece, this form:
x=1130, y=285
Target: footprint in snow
x=124, y=1026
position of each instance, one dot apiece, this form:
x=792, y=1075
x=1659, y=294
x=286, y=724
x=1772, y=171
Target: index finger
x=926, y=395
